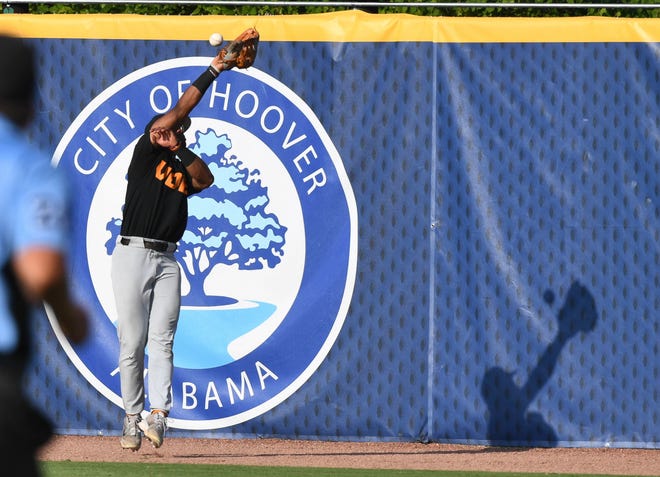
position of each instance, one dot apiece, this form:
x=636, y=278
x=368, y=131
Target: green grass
x=105, y=469
x=114, y=469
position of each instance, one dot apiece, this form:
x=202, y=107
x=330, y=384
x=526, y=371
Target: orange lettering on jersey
x=173, y=180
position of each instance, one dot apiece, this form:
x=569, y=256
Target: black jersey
x=156, y=204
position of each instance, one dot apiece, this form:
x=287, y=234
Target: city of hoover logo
x=269, y=255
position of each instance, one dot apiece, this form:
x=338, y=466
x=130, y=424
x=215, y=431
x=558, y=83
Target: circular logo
x=269, y=254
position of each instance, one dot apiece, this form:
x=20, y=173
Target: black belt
x=150, y=244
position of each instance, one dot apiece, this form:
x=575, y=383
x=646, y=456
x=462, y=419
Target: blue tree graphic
x=227, y=223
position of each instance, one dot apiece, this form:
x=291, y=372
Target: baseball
x=215, y=39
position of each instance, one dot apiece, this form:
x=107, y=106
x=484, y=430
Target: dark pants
x=23, y=430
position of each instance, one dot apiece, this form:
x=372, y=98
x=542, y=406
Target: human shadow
x=509, y=423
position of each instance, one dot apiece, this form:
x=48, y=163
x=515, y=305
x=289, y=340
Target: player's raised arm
x=240, y=53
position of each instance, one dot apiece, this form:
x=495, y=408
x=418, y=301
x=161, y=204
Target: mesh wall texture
x=507, y=285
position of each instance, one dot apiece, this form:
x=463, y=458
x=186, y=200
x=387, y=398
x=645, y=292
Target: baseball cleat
x=154, y=427
x=131, y=438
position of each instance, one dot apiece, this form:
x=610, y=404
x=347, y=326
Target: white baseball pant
x=147, y=288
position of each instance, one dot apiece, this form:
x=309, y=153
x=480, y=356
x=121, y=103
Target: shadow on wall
x=509, y=422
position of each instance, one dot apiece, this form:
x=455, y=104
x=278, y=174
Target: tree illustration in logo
x=227, y=223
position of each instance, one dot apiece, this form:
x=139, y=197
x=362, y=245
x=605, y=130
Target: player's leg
x=130, y=275
x=162, y=327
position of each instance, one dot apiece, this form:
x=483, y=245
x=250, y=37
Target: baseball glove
x=241, y=52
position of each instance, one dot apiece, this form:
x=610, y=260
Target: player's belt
x=150, y=244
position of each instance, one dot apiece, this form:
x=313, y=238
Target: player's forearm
x=199, y=172
x=187, y=102
x=190, y=98
x=204, y=80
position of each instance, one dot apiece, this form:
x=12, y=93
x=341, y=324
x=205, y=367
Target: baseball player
x=146, y=277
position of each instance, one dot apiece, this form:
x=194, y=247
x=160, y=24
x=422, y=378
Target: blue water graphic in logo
x=204, y=334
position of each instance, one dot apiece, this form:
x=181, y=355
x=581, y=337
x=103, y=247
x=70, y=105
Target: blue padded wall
x=507, y=286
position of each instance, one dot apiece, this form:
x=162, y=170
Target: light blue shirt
x=33, y=211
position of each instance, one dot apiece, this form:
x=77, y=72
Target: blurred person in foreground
x=34, y=226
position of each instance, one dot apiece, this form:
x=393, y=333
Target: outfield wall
x=506, y=178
